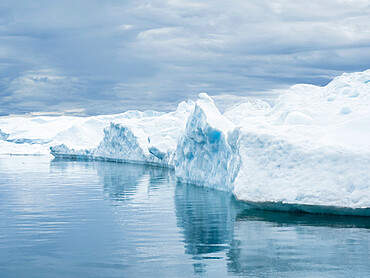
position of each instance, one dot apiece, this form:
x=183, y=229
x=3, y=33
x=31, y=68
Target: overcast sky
x=95, y=57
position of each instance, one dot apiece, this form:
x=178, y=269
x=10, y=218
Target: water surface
x=99, y=219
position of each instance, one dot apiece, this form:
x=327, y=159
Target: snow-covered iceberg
x=310, y=151
x=311, y=148
x=147, y=140
x=35, y=135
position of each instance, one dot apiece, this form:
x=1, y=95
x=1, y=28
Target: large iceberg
x=311, y=148
x=310, y=151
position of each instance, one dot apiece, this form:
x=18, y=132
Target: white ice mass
x=145, y=140
x=309, y=151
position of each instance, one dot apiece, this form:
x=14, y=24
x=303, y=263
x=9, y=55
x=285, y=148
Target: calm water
x=100, y=219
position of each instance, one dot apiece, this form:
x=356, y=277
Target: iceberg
x=146, y=140
x=35, y=135
x=306, y=150
x=309, y=151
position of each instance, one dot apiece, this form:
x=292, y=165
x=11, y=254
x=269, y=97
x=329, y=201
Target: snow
x=310, y=151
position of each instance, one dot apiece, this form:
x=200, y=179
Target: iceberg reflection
x=252, y=242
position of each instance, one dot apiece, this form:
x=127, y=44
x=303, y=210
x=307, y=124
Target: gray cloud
x=107, y=57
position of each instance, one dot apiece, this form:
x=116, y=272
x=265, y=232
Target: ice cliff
x=310, y=151
x=206, y=153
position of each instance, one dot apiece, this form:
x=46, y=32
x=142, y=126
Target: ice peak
x=205, y=96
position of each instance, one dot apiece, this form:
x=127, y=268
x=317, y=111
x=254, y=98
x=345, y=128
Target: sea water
x=61, y=218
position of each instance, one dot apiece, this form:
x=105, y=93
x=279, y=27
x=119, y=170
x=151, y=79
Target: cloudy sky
x=93, y=57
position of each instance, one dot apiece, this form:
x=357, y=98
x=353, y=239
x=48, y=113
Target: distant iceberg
x=143, y=140
x=35, y=135
x=310, y=151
